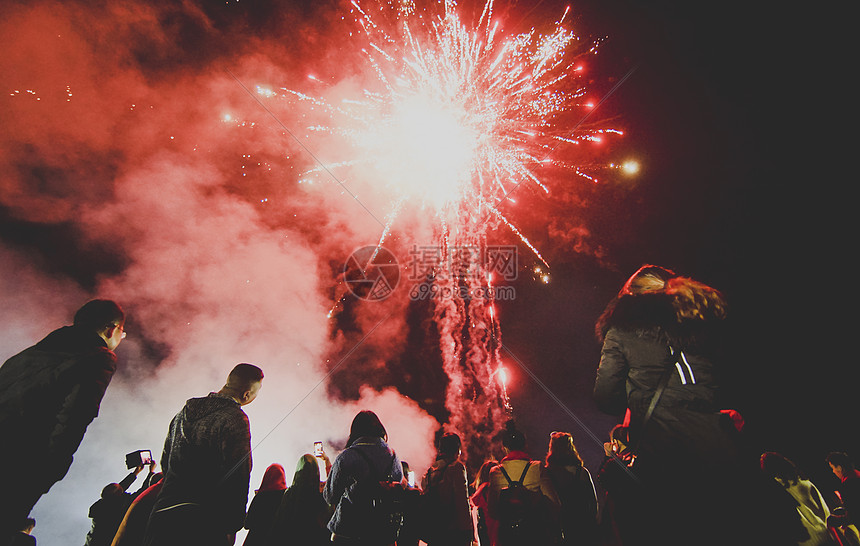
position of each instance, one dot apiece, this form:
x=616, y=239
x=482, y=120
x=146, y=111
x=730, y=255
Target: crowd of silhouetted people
x=449, y=506
x=676, y=468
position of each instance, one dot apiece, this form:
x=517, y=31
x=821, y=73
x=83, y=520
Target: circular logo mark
x=371, y=273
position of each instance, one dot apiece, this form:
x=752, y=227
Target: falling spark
x=456, y=119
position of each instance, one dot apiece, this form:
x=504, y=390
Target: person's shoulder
x=102, y=358
x=449, y=468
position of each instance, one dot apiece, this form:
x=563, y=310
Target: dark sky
x=733, y=193
x=719, y=108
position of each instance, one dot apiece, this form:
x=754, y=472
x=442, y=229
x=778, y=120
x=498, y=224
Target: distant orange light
x=630, y=167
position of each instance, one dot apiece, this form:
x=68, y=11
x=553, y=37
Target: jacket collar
x=516, y=456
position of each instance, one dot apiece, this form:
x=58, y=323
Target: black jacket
x=643, y=342
x=207, y=460
x=107, y=512
x=49, y=394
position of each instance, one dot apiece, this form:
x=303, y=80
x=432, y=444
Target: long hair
x=562, y=451
x=365, y=423
x=274, y=479
x=483, y=474
x=693, y=300
x=301, y=507
x=654, y=296
x=648, y=278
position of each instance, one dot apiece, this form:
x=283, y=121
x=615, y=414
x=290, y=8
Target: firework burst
x=458, y=118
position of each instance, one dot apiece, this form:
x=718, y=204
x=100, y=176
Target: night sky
x=109, y=198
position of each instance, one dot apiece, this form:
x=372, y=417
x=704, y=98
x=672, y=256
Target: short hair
x=621, y=433
x=111, y=490
x=449, y=444
x=512, y=438
x=838, y=458
x=779, y=466
x=96, y=315
x=242, y=376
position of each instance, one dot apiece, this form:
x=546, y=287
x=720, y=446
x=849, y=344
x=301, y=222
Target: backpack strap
x=525, y=471
x=522, y=477
x=664, y=381
x=505, y=474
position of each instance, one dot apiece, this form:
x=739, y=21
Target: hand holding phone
x=318, y=449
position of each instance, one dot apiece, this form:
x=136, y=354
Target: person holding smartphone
x=108, y=511
x=303, y=514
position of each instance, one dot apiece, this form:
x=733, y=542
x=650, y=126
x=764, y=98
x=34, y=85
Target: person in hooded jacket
x=207, y=467
x=132, y=528
x=664, y=327
x=663, y=344
x=366, y=457
x=49, y=394
x=108, y=512
x=261, y=512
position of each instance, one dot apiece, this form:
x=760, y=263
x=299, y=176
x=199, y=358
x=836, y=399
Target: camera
x=141, y=457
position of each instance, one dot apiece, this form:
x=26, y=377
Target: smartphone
x=318, y=449
x=410, y=478
x=145, y=457
x=141, y=457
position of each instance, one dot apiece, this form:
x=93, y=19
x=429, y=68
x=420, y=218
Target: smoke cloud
x=138, y=167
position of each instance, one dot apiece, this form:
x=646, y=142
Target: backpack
x=379, y=504
x=519, y=509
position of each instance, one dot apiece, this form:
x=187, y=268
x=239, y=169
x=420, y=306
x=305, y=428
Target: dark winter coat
x=133, y=526
x=108, y=512
x=261, y=514
x=49, y=394
x=301, y=518
x=640, y=334
x=688, y=463
x=348, y=469
x=446, y=492
x=578, y=498
x=207, y=461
